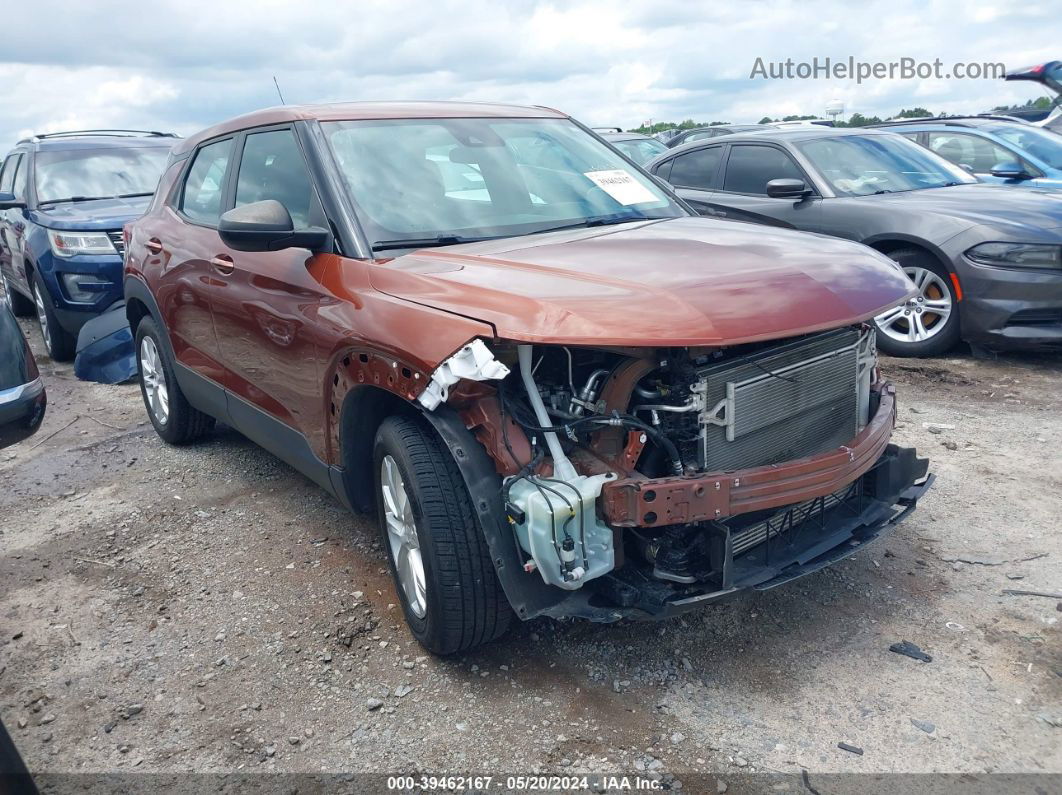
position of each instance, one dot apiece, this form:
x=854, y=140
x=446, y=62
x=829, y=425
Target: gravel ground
x=208, y=608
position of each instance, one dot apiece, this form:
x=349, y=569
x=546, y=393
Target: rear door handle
x=154, y=245
x=223, y=264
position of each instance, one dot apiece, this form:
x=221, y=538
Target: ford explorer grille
x=118, y=240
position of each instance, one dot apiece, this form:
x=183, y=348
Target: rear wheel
x=437, y=553
x=928, y=324
x=174, y=419
x=20, y=304
x=60, y=343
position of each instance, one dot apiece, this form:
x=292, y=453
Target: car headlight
x=84, y=288
x=1017, y=255
x=68, y=244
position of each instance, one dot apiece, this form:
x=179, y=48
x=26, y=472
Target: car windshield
x=861, y=165
x=640, y=150
x=451, y=180
x=1044, y=145
x=98, y=173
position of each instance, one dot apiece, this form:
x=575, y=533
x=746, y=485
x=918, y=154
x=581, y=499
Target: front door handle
x=154, y=245
x=223, y=264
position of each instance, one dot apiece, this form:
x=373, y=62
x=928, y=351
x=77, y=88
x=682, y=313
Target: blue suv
x=64, y=198
x=993, y=148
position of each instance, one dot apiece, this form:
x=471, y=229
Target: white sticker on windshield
x=621, y=186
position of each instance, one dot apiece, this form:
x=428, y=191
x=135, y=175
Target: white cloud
x=181, y=65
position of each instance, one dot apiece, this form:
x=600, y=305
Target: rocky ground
x=208, y=608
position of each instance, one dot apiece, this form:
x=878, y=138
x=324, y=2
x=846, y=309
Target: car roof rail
x=954, y=120
x=108, y=132
x=607, y=129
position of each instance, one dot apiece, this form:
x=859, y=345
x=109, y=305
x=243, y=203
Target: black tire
x=60, y=343
x=20, y=304
x=183, y=423
x=465, y=605
x=945, y=337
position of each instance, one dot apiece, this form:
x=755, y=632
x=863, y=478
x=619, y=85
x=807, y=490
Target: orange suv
x=561, y=391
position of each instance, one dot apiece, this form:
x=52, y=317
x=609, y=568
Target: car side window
x=21, y=179
x=696, y=169
x=272, y=167
x=749, y=168
x=205, y=183
x=7, y=178
x=978, y=153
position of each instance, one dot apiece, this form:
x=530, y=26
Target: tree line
x=855, y=120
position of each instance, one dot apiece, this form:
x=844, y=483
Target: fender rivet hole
x=649, y=496
x=650, y=517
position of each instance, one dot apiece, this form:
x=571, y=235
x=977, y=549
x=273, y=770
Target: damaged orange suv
x=561, y=391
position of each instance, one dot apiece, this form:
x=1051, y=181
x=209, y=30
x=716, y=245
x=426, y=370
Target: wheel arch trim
x=889, y=242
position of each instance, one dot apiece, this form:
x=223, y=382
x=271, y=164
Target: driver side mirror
x=9, y=202
x=1011, y=170
x=787, y=189
x=267, y=226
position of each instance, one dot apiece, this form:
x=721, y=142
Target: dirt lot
x=208, y=608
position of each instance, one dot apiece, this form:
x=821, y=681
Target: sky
x=181, y=66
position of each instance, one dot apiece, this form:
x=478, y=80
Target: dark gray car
x=22, y=396
x=714, y=131
x=987, y=259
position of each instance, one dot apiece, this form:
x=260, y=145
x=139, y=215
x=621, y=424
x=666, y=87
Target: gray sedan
x=987, y=259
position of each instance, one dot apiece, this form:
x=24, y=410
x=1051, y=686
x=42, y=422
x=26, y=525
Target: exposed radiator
x=790, y=401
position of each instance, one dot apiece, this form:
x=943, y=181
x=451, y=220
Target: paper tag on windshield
x=621, y=186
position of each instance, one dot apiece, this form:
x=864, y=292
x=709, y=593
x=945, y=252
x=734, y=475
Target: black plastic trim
x=280, y=439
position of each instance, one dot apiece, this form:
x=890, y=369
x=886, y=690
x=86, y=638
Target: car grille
x=785, y=402
x=118, y=240
x=1035, y=317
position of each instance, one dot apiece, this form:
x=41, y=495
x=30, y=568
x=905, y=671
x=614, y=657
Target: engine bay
x=623, y=467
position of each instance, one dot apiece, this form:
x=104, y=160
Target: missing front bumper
x=803, y=540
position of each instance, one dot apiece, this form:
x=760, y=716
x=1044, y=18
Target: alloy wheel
x=923, y=317
x=402, y=536
x=154, y=380
x=42, y=316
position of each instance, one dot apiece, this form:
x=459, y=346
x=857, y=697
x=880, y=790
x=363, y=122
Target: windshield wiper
x=96, y=198
x=426, y=242
x=608, y=220
x=75, y=199
x=451, y=240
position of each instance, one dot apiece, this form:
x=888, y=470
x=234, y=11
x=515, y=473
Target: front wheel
x=927, y=324
x=59, y=342
x=438, y=556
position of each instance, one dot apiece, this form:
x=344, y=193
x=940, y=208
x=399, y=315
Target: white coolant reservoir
x=545, y=505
